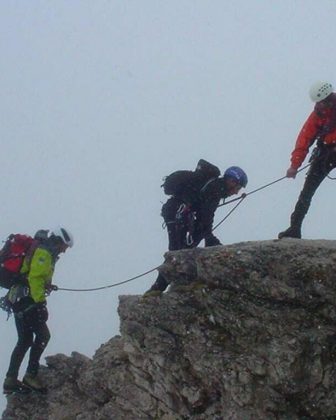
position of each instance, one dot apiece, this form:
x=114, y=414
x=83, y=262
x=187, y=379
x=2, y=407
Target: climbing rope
x=244, y=195
x=240, y=198
x=260, y=188
x=110, y=285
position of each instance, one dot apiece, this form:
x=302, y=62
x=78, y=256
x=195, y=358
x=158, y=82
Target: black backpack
x=179, y=181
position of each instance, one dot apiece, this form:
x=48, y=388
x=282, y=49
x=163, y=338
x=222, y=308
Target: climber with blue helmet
x=189, y=212
x=237, y=174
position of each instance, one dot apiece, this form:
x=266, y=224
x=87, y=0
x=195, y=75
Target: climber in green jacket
x=28, y=299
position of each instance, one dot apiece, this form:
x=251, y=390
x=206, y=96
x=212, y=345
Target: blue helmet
x=236, y=173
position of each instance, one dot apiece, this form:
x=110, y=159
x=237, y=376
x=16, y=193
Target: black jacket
x=204, y=197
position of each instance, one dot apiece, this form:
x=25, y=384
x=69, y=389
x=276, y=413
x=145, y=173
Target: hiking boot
x=151, y=293
x=291, y=232
x=33, y=382
x=12, y=385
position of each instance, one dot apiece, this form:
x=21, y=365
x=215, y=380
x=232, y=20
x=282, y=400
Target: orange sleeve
x=305, y=139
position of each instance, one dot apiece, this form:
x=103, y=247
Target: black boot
x=296, y=219
x=33, y=382
x=13, y=385
x=314, y=178
x=158, y=287
x=291, y=232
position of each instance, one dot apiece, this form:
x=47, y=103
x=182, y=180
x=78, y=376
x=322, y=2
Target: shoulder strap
x=30, y=252
x=205, y=186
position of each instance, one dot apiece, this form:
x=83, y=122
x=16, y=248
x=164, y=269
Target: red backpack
x=12, y=254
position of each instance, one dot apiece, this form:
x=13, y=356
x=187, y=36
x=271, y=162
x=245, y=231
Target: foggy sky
x=101, y=99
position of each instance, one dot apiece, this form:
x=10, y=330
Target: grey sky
x=101, y=99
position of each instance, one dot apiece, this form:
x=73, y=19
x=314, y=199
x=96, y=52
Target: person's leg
x=25, y=340
x=42, y=337
x=159, y=285
x=318, y=171
x=176, y=238
x=168, y=212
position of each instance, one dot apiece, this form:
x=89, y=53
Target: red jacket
x=316, y=125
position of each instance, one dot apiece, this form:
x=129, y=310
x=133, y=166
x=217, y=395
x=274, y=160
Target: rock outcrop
x=245, y=331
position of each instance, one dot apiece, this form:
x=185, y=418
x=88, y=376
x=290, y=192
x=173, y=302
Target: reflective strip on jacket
x=310, y=131
x=39, y=269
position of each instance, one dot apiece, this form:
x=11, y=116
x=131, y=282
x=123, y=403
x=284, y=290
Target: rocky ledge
x=245, y=331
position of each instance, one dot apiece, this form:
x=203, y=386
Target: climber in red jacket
x=320, y=127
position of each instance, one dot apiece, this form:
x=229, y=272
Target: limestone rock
x=245, y=331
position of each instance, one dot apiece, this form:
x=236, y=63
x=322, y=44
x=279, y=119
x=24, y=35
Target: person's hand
x=291, y=172
x=50, y=288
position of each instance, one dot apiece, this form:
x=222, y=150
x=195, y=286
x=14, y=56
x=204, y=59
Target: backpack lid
x=207, y=168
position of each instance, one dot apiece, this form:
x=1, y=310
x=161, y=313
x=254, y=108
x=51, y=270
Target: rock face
x=245, y=331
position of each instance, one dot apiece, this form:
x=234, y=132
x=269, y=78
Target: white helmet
x=320, y=90
x=64, y=234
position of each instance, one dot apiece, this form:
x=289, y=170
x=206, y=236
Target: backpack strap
x=30, y=251
x=205, y=186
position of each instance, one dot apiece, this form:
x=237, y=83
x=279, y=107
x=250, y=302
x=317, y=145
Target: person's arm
x=39, y=275
x=305, y=139
x=204, y=223
x=210, y=199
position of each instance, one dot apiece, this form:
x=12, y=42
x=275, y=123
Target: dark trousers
x=176, y=235
x=319, y=169
x=33, y=333
x=177, y=229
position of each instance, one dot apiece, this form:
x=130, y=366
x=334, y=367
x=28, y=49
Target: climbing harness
x=329, y=166
x=13, y=296
x=185, y=221
x=323, y=153
x=6, y=306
